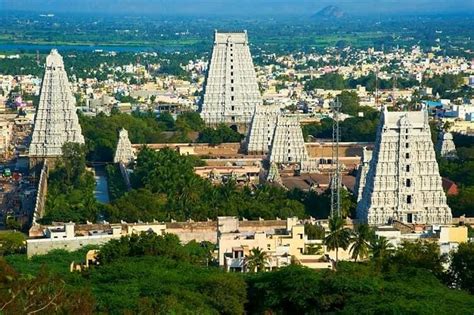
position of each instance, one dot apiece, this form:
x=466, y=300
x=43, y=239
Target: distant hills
x=330, y=11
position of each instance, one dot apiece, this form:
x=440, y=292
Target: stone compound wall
x=41, y=194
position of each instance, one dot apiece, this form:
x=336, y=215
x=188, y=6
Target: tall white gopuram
x=124, y=150
x=56, y=121
x=231, y=91
x=288, y=142
x=262, y=129
x=403, y=181
x=445, y=146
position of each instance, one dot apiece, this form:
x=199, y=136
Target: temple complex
x=403, y=181
x=56, y=121
x=288, y=142
x=362, y=173
x=445, y=146
x=231, y=92
x=124, y=151
x=262, y=129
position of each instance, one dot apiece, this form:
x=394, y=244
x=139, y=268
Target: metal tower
x=336, y=176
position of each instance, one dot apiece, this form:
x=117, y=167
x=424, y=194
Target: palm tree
x=380, y=248
x=361, y=242
x=338, y=237
x=257, y=260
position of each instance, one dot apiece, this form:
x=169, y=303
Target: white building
x=403, y=181
x=231, y=89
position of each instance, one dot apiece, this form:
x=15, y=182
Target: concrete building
x=56, y=121
x=231, y=89
x=403, y=181
x=280, y=246
x=6, y=131
x=72, y=237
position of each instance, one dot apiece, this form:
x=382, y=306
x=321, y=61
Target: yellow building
x=281, y=247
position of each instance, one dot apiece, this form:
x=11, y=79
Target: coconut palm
x=361, y=242
x=338, y=237
x=380, y=248
x=257, y=260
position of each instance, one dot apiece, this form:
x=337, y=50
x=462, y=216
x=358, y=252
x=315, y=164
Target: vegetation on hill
x=156, y=274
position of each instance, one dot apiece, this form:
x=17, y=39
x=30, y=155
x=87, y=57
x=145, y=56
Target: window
x=407, y=145
x=289, y=159
x=232, y=60
x=407, y=155
x=231, y=67
x=409, y=199
x=407, y=168
x=231, y=80
x=289, y=150
x=233, y=118
x=408, y=182
x=232, y=89
x=232, y=98
x=233, y=107
x=232, y=73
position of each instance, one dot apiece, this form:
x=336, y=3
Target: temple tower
x=445, y=146
x=231, y=92
x=56, y=121
x=403, y=181
x=262, y=129
x=362, y=173
x=124, y=150
x=288, y=142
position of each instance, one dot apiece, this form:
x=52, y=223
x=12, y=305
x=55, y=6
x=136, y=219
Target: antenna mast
x=336, y=177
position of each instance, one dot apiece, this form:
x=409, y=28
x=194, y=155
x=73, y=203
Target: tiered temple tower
x=56, y=121
x=231, y=91
x=262, y=129
x=288, y=142
x=403, y=181
x=445, y=146
x=124, y=151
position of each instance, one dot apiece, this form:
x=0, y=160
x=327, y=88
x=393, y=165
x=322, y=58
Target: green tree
x=257, y=260
x=361, y=238
x=461, y=270
x=339, y=236
x=380, y=248
x=314, y=231
x=73, y=160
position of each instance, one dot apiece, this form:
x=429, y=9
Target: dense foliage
x=357, y=128
x=70, y=194
x=166, y=187
x=147, y=273
x=456, y=171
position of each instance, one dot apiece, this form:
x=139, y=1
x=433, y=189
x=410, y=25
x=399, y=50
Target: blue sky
x=240, y=7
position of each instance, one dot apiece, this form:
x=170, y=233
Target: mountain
x=330, y=11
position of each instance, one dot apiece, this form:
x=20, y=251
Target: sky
x=239, y=7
